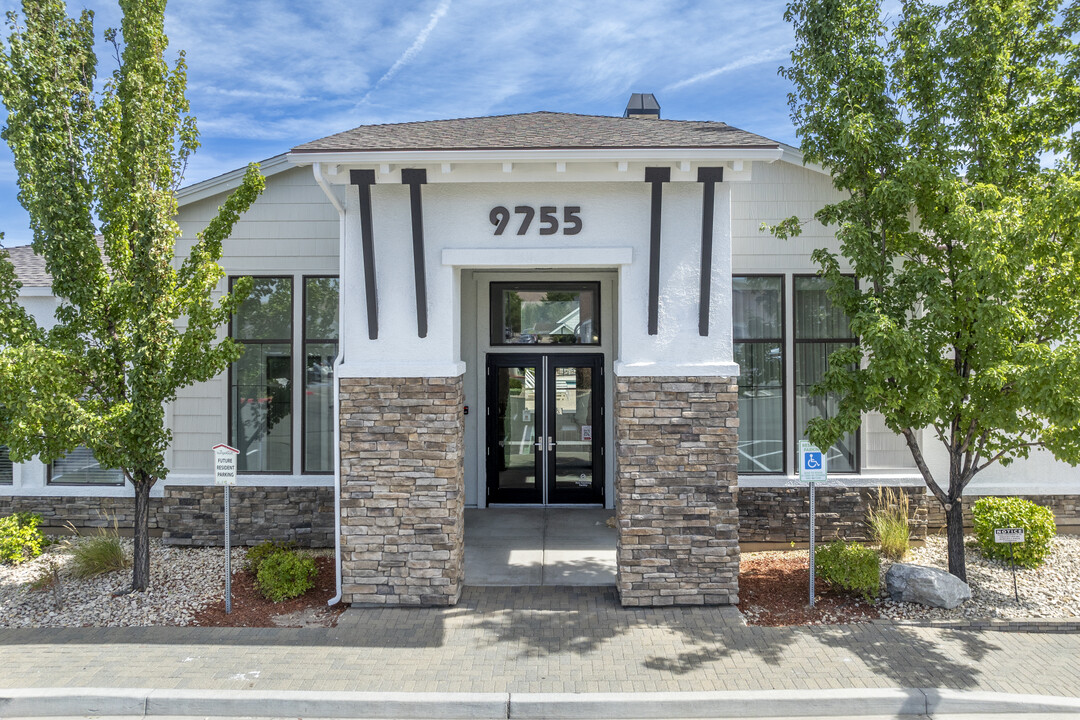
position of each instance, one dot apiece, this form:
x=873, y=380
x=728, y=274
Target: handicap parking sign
x=811, y=464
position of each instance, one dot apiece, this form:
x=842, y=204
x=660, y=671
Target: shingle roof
x=539, y=130
x=29, y=267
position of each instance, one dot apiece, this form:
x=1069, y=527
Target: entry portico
x=536, y=309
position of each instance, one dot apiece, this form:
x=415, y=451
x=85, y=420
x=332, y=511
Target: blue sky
x=265, y=75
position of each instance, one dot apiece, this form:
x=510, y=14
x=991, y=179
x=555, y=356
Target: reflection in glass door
x=514, y=463
x=545, y=429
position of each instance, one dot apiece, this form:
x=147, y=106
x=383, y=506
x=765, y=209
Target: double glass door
x=545, y=428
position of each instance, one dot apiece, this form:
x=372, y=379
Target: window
x=320, y=350
x=7, y=475
x=820, y=330
x=545, y=313
x=261, y=381
x=758, y=325
x=80, y=468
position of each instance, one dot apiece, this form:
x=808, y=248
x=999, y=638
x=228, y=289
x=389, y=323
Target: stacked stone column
x=402, y=491
x=675, y=490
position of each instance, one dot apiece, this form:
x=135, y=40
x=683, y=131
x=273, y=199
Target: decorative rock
x=926, y=586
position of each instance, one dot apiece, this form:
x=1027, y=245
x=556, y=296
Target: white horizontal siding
x=779, y=190
x=291, y=230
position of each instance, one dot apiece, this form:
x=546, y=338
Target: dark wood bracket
x=657, y=176
x=363, y=180
x=708, y=176
x=414, y=179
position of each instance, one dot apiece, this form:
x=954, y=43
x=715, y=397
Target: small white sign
x=1008, y=536
x=225, y=464
x=812, y=464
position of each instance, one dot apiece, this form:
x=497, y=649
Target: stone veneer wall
x=782, y=514
x=1066, y=509
x=402, y=490
x=675, y=477
x=195, y=514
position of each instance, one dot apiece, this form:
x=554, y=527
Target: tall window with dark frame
x=7, y=471
x=260, y=382
x=820, y=329
x=758, y=327
x=320, y=350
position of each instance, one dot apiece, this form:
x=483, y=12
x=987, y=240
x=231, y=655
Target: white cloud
x=747, y=61
x=265, y=75
x=414, y=49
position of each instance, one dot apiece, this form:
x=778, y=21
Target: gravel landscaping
x=186, y=582
x=1050, y=591
x=774, y=585
x=183, y=581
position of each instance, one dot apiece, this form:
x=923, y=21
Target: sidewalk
x=544, y=640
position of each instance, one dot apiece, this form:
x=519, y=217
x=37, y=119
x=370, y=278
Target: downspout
x=338, y=362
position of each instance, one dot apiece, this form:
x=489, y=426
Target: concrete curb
x=735, y=704
x=78, y=702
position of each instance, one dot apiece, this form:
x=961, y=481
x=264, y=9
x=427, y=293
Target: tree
x=950, y=132
x=98, y=170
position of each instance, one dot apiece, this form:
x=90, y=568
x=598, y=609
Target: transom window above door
x=550, y=313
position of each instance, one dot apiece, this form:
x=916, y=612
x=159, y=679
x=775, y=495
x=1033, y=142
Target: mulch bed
x=774, y=589
x=251, y=609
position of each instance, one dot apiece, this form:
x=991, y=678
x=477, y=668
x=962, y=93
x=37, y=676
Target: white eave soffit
x=538, y=165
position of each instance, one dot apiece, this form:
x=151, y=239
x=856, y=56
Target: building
x=540, y=309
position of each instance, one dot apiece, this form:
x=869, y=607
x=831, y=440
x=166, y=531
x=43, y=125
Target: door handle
x=551, y=443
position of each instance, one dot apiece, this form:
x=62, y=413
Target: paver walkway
x=543, y=640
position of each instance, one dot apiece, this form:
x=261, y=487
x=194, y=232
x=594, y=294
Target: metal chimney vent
x=642, y=105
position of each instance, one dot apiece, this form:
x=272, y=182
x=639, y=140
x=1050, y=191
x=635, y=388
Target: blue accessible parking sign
x=811, y=464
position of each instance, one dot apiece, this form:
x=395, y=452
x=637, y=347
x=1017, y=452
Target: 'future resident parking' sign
x=225, y=464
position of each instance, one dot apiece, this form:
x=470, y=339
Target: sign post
x=1010, y=536
x=225, y=474
x=812, y=469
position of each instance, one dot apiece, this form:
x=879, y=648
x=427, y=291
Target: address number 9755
x=549, y=222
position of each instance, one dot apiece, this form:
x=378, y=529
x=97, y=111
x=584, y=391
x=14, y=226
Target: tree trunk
x=954, y=532
x=140, y=570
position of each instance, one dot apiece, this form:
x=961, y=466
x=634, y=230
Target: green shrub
x=96, y=555
x=20, y=539
x=850, y=566
x=1008, y=512
x=286, y=574
x=255, y=555
x=888, y=522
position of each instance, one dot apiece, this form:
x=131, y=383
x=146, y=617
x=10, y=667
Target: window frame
x=292, y=355
x=852, y=339
x=49, y=469
x=6, y=460
x=304, y=341
x=782, y=341
x=495, y=308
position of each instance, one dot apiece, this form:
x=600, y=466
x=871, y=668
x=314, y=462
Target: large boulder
x=926, y=586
